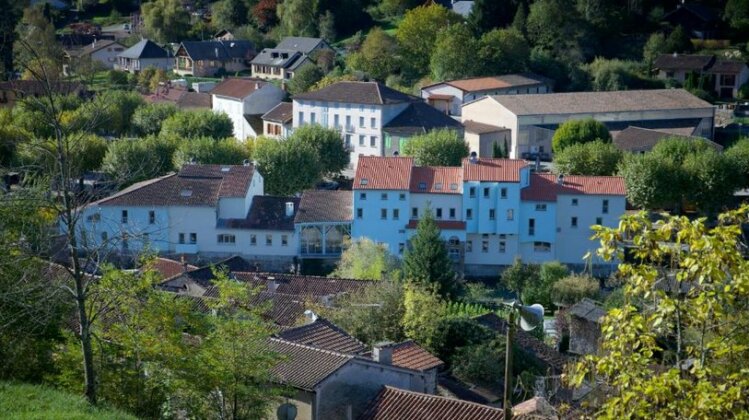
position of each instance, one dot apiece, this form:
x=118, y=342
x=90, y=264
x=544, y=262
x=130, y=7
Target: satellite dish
x=531, y=316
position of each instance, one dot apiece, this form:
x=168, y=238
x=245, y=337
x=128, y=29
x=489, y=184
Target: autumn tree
x=680, y=355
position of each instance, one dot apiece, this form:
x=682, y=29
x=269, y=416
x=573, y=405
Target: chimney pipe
x=272, y=284
x=560, y=179
x=289, y=208
x=383, y=353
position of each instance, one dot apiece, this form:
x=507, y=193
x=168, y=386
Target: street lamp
x=530, y=317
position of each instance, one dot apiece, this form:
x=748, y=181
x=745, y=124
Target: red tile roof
x=397, y=404
x=299, y=285
x=437, y=180
x=383, y=173
x=493, y=170
x=169, y=268
x=410, y=355
x=442, y=224
x=237, y=88
x=441, y=97
x=544, y=187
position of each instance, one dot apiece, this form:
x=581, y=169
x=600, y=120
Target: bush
x=191, y=124
x=117, y=78
x=579, y=131
x=442, y=147
x=540, y=292
x=594, y=158
x=574, y=288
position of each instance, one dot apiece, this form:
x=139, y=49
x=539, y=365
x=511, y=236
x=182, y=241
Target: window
x=373, y=122
x=364, y=181
x=492, y=214
x=383, y=214
x=510, y=214
x=384, y=196
x=502, y=247
x=605, y=207
x=503, y=193
x=225, y=238
x=361, y=122
x=359, y=213
x=124, y=216
x=422, y=186
x=181, y=238
x=348, y=122
x=373, y=141
x=599, y=220
x=531, y=227
x=362, y=196
x=469, y=214
x=502, y=236
x=151, y=217
x=472, y=192
x=452, y=213
x=396, y=214
x=486, y=192
x=401, y=247
x=484, y=246
x=574, y=201
x=336, y=122
x=541, y=247
x=438, y=186
x=540, y=207
x=301, y=117
x=453, y=187
x=361, y=140
x=573, y=222
x=402, y=196
x=438, y=212
x=312, y=117
x=94, y=218
x=469, y=246
x=414, y=212
x=253, y=239
x=104, y=236
x=193, y=238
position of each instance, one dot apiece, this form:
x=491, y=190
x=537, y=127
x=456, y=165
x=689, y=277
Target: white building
x=245, y=101
x=203, y=210
x=288, y=56
x=490, y=211
x=143, y=55
x=103, y=52
x=362, y=111
x=532, y=119
x=450, y=96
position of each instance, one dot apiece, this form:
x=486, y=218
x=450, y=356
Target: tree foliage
x=129, y=161
x=737, y=14
x=572, y=289
x=298, y=17
x=332, y=155
x=288, y=167
x=540, y=291
x=426, y=261
x=454, y=54
x=680, y=355
x=519, y=276
x=147, y=119
x=206, y=150
x=490, y=14
x=417, y=34
x=594, y=158
x=365, y=260
x=377, y=56
x=739, y=152
x=165, y=20
x=305, y=78
x=503, y=51
x=191, y=124
x=442, y=147
x=579, y=131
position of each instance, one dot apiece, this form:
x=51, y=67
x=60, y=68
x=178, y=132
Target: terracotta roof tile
x=282, y=113
x=169, y=268
x=237, y=88
x=544, y=187
x=383, y=173
x=410, y=355
x=498, y=82
x=442, y=224
x=299, y=285
x=325, y=335
x=303, y=366
x=397, y=404
x=266, y=213
x=325, y=206
x=437, y=179
x=493, y=170
x=481, y=128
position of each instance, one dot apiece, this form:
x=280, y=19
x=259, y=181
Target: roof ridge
x=306, y=346
x=438, y=397
x=134, y=187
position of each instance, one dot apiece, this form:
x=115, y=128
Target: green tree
x=165, y=20
x=365, y=260
x=454, y=54
x=110, y=113
x=333, y=156
x=739, y=152
x=489, y=14
x=305, y=78
x=298, y=17
x=594, y=158
x=12, y=13
x=206, y=150
x=442, y=147
x=678, y=41
x=191, y=124
x=519, y=276
x=716, y=178
x=377, y=56
x=503, y=51
x=553, y=25
x=129, y=161
x=520, y=21
x=327, y=26
x=609, y=75
x=423, y=311
x=417, y=34
x=229, y=14
x=426, y=261
x=579, y=131
x=387, y=9
x=288, y=167
x=651, y=182
x=36, y=47
x=452, y=333
x=655, y=46
x=541, y=291
x=679, y=355
x=147, y=119
x=737, y=14
x=572, y=289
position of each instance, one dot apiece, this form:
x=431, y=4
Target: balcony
x=186, y=249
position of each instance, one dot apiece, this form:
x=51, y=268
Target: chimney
x=184, y=264
x=383, y=353
x=289, y=208
x=560, y=179
x=309, y=317
x=272, y=284
x=474, y=158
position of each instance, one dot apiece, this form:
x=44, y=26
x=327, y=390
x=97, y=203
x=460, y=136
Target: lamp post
x=530, y=317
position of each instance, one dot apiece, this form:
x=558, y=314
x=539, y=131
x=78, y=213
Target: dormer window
x=422, y=186
x=453, y=187
x=364, y=181
x=438, y=186
x=186, y=193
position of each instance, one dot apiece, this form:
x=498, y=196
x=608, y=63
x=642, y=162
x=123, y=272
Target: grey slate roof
x=304, y=45
x=600, y=102
x=145, y=48
x=92, y=48
x=683, y=62
x=723, y=66
x=419, y=118
x=325, y=206
x=275, y=57
x=219, y=50
x=637, y=139
x=325, y=335
x=365, y=93
x=266, y=213
x=304, y=367
x=282, y=113
x=588, y=310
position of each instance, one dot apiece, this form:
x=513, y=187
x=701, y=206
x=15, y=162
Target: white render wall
x=108, y=55
x=461, y=97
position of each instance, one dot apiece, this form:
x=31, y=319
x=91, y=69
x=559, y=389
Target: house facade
x=490, y=211
x=450, y=96
x=245, y=101
x=208, y=58
x=103, y=52
x=278, y=122
x=366, y=115
x=722, y=76
x=533, y=119
x=143, y=55
x=290, y=54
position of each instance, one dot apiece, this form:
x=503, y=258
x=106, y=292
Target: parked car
x=544, y=156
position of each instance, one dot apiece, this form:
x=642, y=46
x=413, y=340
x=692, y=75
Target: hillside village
x=374, y=209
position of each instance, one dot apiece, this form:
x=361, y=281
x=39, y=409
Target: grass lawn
x=23, y=401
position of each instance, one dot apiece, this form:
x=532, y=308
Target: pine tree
x=521, y=17
x=506, y=150
x=427, y=262
x=497, y=151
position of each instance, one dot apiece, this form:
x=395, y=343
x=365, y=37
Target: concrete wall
x=588, y=211
x=584, y=336
x=389, y=231
x=483, y=144
x=460, y=97
x=108, y=55
x=488, y=111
